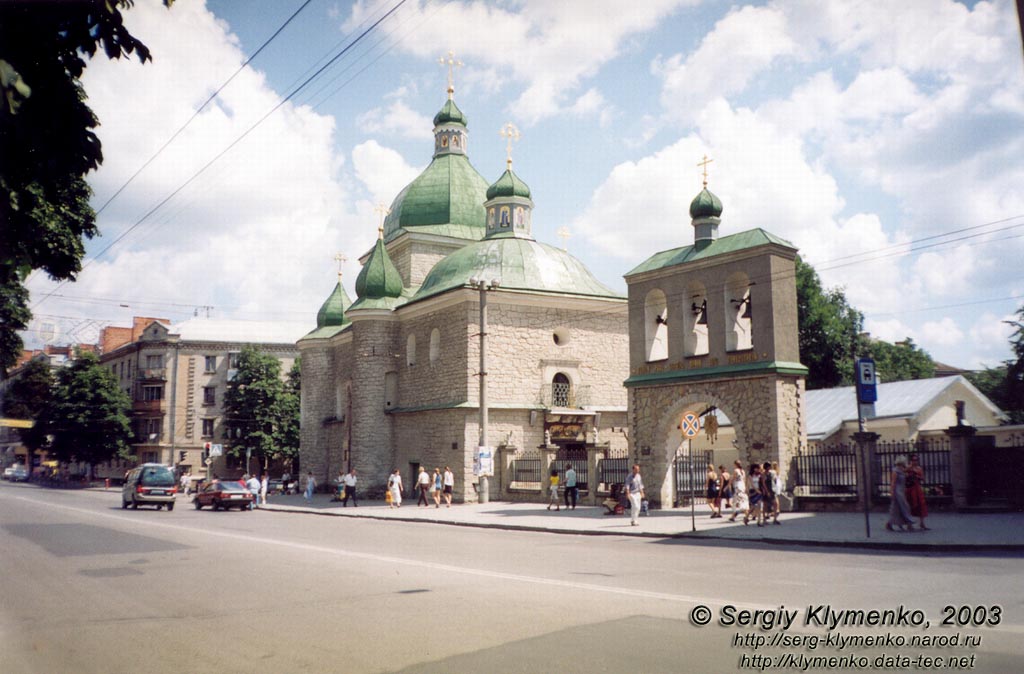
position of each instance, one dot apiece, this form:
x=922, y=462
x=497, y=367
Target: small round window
x=561, y=336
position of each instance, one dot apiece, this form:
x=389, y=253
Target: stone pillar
x=503, y=468
x=594, y=455
x=960, y=464
x=866, y=443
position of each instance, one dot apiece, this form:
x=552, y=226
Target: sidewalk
x=950, y=532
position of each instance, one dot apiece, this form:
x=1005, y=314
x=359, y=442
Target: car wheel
x=159, y=507
x=170, y=507
x=198, y=505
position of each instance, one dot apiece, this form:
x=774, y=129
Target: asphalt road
x=88, y=587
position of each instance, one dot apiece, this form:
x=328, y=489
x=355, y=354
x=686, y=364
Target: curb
x=684, y=535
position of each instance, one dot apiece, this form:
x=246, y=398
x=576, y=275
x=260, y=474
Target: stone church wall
x=446, y=379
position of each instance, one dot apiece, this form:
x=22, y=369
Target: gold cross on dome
x=452, y=64
x=704, y=164
x=511, y=132
x=340, y=259
x=564, y=234
x=384, y=212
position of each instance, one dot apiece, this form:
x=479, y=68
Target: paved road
x=88, y=587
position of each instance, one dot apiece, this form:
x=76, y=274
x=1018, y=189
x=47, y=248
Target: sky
x=885, y=140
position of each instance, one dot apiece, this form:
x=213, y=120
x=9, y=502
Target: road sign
x=866, y=391
x=208, y=461
x=690, y=425
x=216, y=450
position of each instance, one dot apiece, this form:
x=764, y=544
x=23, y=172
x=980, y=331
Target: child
x=553, y=500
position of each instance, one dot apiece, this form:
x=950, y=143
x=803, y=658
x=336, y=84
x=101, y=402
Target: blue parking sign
x=866, y=391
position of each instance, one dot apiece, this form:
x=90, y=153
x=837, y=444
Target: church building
x=392, y=379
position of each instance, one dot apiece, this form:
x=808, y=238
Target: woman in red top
x=915, y=490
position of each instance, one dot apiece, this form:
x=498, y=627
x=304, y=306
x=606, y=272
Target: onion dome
x=705, y=205
x=379, y=277
x=508, y=185
x=332, y=313
x=450, y=114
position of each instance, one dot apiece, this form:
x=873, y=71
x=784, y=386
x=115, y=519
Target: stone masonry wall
x=445, y=380
x=373, y=355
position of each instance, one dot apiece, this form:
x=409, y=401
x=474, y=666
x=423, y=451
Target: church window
x=656, y=325
x=435, y=345
x=504, y=216
x=561, y=391
x=410, y=351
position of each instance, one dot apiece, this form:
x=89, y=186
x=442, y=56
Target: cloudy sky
x=884, y=139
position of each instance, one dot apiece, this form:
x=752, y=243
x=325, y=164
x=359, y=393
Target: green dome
x=446, y=199
x=508, y=185
x=519, y=264
x=450, y=114
x=705, y=205
x=332, y=312
x=379, y=277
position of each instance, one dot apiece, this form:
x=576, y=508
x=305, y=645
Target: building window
x=155, y=362
x=561, y=391
x=211, y=363
x=150, y=393
x=208, y=428
x=410, y=351
x=209, y=395
x=149, y=457
x=435, y=345
x=149, y=430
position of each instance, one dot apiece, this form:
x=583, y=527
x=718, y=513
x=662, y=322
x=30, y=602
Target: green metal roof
x=333, y=310
x=379, y=277
x=519, y=264
x=676, y=376
x=448, y=192
x=508, y=185
x=326, y=332
x=450, y=114
x=705, y=205
x=751, y=238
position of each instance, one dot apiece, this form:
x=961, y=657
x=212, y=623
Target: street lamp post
x=484, y=286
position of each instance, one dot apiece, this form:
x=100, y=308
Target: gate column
x=960, y=464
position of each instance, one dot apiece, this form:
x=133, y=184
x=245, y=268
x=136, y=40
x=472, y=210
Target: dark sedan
x=225, y=495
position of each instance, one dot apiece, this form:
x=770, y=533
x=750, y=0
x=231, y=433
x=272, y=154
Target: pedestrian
x=915, y=491
x=635, y=490
x=724, y=489
x=755, y=494
x=766, y=483
x=286, y=480
x=435, y=487
x=349, y=488
x=264, y=484
x=253, y=484
x=395, y=488
x=186, y=480
x=339, y=486
x=572, y=491
x=776, y=491
x=553, y=490
x=449, y=485
x=423, y=486
x=310, y=486
x=711, y=491
x=899, y=510
x=740, y=500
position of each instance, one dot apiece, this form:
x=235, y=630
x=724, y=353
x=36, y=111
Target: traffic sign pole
x=690, y=426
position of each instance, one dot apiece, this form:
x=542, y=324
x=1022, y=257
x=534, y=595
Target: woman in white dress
x=395, y=487
x=740, y=500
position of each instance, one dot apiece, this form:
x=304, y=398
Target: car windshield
x=157, y=476
x=232, y=486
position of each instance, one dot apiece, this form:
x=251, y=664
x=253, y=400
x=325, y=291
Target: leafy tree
x=992, y=382
x=27, y=397
x=254, y=405
x=1013, y=387
x=47, y=142
x=901, y=361
x=288, y=435
x=88, y=413
x=828, y=328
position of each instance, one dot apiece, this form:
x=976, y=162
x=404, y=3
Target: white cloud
x=944, y=332
x=397, y=119
x=382, y=170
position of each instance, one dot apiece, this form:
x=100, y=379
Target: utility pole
x=484, y=286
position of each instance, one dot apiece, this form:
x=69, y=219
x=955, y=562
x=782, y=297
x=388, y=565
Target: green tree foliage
x=901, y=361
x=47, y=143
x=259, y=407
x=828, y=330
x=88, y=414
x=288, y=443
x=992, y=382
x=1010, y=393
x=27, y=397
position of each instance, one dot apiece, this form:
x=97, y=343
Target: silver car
x=149, y=484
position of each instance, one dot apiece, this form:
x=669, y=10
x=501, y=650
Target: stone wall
x=373, y=356
x=445, y=380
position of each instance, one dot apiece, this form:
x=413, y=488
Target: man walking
x=423, y=483
x=635, y=491
x=571, y=490
x=253, y=484
x=350, y=489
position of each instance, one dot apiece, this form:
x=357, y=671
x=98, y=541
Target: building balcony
x=575, y=397
x=147, y=406
x=151, y=374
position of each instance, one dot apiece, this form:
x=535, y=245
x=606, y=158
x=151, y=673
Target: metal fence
x=577, y=458
x=933, y=455
x=613, y=470
x=691, y=476
x=527, y=468
x=833, y=473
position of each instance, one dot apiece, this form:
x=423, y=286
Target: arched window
x=695, y=319
x=656, y=325
x=435, y=345
x=739, y=312
x=410, y=351
x=561, y=391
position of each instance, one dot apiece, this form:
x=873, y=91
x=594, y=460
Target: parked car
x=7, y=472
x=149, y=484
x=18, y=474
x=227, y=494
